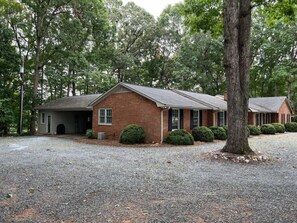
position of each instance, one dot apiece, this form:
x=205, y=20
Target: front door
x=49, y=119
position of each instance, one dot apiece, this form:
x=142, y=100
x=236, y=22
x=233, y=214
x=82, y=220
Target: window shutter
x=191, y=119
x=181, y=118
x=169, y=119
x=225, y=118
x=200, y=118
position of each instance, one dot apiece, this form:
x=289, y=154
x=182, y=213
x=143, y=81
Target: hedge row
x=134, y=134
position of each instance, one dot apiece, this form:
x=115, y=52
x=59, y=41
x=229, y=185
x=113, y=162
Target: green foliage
x=219, y=132
x=254, y=130
x=132, y=134
x=90, y=134
x=279, y=128
x=294, y=119
x=226, y=129
x=6, y=117
x=291, y=127
x=202, y=134
x=180, y=137
x=268, y=129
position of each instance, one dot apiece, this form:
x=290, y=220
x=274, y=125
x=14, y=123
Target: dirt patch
x=24, y=215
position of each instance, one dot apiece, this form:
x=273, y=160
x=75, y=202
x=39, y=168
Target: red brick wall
x=284, y=109
x=251, y=118
x=129, y=108
x=210, y=118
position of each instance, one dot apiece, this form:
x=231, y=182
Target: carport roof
x=72, y=103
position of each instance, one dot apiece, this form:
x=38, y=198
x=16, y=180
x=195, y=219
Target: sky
x=154, y=7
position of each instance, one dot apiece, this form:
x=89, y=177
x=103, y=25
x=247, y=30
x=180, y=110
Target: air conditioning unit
x=101, y=135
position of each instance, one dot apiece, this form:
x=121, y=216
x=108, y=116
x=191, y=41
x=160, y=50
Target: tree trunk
x=36, y=82
x=237, y=25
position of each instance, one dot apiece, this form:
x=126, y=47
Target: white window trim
x=105, y=119
x=178, y=117
x=42, y=121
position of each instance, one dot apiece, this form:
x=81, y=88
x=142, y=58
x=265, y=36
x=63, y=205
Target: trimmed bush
x=219, y=132
x=203, y=134
x=132, y=134
x=90, y=134
x=180, y=137
x=226, y=129
x=291, y=127
x=254, y=130
x=294, y=119
x=279, y=128
x=268, y=129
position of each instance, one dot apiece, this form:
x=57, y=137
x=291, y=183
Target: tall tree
x=237, y=58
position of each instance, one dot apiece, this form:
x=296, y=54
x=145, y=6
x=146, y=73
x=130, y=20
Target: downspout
x=162, y=122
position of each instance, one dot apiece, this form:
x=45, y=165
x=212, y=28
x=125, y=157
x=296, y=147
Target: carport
x=68, y=115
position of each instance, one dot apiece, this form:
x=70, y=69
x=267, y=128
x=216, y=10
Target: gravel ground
x=59, y=180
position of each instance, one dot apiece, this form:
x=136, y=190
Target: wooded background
x=73, y=47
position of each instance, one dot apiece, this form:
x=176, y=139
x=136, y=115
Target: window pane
x=195, y=118
x=102, y=112
x=102, y=119
x=109, y=120
x=108, y=112
x=220, y=118
x=175, y=119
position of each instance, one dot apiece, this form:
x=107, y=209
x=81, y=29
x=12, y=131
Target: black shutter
x=169, y=119
x=200, y=118
x=225, y=113
x=191, y=119
x=181, y=118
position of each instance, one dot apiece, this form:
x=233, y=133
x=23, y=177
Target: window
x=288, y=118
x=43, y=118
x=221, y=118
x=283, y=117
x=258, y=119
x=196, y=118
x=105, y=116
x=175, y=119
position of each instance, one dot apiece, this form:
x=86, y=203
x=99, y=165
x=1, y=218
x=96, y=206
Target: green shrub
x=202, y=134
x=226, y=129
x=180, y=137
x=90, y=134
x=291, y=127
x=254, y=130
x=268, y=129
x=279, y=128
x=132, y=134
x=219, y=132
x=294, y=119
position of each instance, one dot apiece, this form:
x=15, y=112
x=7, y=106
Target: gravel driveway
x=46, y=179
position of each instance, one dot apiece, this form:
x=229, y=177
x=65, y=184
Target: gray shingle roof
x=208, y=100
x=72, y=103
x=165, y=97
x=266, y=104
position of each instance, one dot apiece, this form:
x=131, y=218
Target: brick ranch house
x=158, y=111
